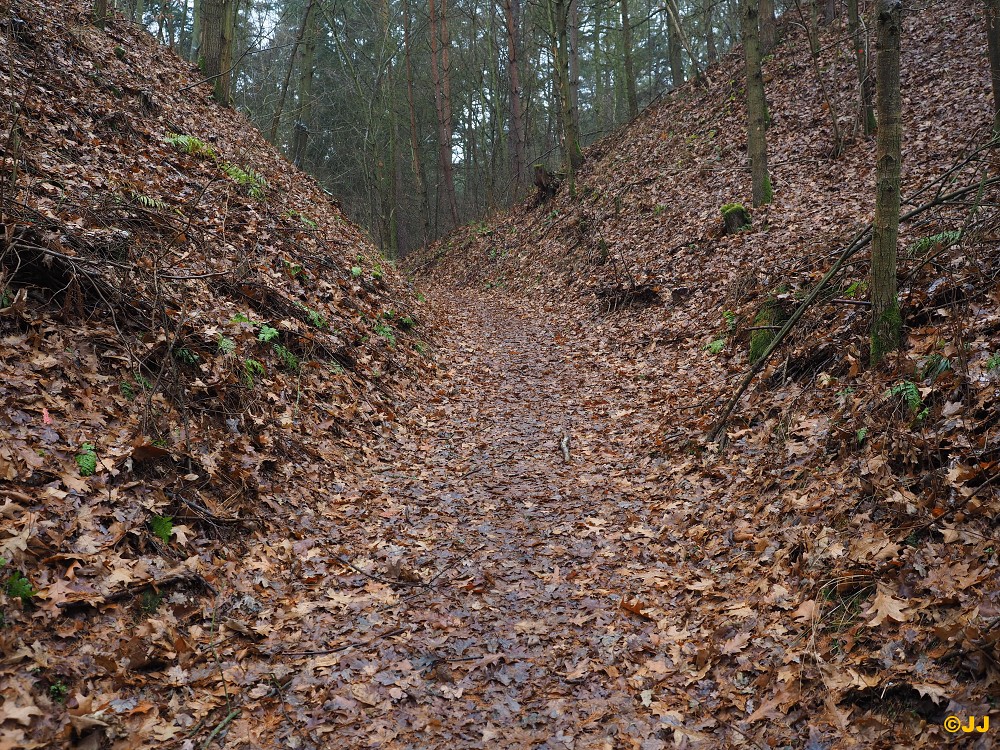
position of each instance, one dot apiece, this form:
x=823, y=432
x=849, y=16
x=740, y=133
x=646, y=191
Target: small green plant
x=908, y=392
x=993, y=362
x=940, y=241
x=252, y=368
x=295, y=270
x=288, y=359
x=336, y=368
x=86, y=460
x=356, y=271
x=421, y=347
x=716, y=346
x=240, y=318
x=935, y=366
x=854, y=289
x=862, y=435
x=730, y=318
x=253, y=181
x=267, y=334
x=19, y=587
x=128, y=390
x=119, y=52
x=226, y=345
x=386, y=332
x=377, y=272
x=406, y=322
x=162, y=527
x=659, y=209
x=421, y=297
x=147, y=201
x=185, y=356
x=58, y=691
x=149, y=601
x=190, y=145
x=316, y=319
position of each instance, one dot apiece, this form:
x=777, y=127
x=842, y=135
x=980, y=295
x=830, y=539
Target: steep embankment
x=830, y=578
x=196, y=349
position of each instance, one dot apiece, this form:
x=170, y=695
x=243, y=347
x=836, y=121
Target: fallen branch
x=135, y=589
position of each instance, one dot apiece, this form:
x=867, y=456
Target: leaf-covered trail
x=514, y=641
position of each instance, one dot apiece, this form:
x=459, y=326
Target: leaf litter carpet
x=491, y=607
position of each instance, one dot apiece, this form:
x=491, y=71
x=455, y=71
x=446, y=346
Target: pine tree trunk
x=886, y=324
x=558, y=11
x=418, y=167
x=512, y=14
x=859, y=39
x=442, y=101
x=630, y=93
x=674, y=52
x=272, y=135
x=756, y=106
x=708, y=22
x=194, y=44
x=993, y=40
x=216, y=45
x=303, y=122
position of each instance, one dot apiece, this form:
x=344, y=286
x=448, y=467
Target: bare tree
x=441, y=80
x=993, y=39
x=756, y=106
x=630, y=94
x=512, y=14
x=886, y=321
x=558, y=13
x=859, y=38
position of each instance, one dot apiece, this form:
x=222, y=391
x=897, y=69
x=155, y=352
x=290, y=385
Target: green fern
x=908, y=392
x=86, y=460
x=163, y=527
x=715, y=346
x=226, y=345
x=267, y=334
x=941, y=241
x=19, y=587
x=147, y=201
x=190, y=145
x=386, y=332
x=289, y=360
x=993, y=363
x=246, y=177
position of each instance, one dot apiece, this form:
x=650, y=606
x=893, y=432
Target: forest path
x=514, y=642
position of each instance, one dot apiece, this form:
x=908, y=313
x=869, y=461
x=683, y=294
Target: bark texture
x=886, y=323
x=756, y=106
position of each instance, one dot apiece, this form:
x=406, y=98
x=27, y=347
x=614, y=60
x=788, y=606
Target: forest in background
x=420, y=117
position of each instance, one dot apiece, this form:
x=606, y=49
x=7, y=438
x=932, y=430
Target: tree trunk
x=674, y=52
x=442, y=102
x=194, y=44
x=216, y=45
x=768, y=26
x=558, y=11
x=756, y=107
x=673, y=11
x=886, y=324
x=272, y=134
x=630, y=94
x=708, y=22
x=512, y=14
x=100, y=12
x=829, y=12
x=993, y=40
x=859, y=37
x=418, y=168
x=303, y=123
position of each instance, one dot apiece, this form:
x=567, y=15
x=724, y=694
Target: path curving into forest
x=518, y=639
